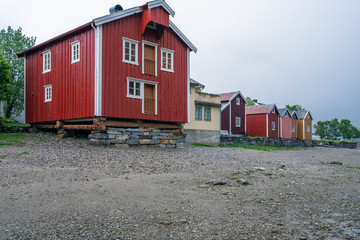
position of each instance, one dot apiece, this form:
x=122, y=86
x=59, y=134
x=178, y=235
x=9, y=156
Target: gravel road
x=65, y=189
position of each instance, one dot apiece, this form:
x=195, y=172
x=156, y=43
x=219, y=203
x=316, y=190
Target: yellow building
x=204, y=122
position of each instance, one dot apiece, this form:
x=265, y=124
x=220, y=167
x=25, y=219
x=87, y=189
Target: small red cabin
x=233, y=115
x=130, y=64
x=262, y=121
x=285, y=123
x=294, y=124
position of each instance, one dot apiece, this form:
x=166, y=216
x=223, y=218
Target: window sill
x=75, y=61
x=133, y=63
x=46, y=71
x=46, y=101
x=135, y=97
x=167, y=70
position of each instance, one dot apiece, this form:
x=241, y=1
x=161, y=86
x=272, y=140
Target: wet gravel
x=54, y=188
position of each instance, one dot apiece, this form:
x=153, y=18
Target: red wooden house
x=262, y=121
x=233, y=113
x=294, y=127
x=285, y=123
x=131, y=64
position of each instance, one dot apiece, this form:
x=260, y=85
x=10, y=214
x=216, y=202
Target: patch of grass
x=259, y=147
x=202, y=145
x=357, y=168
x=11, y=139
x=335, y=141
x=7, y=122
x=23, y=153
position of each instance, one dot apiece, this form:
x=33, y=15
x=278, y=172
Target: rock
x=282, y=166
x=262, y=169
x=218, y=182
x=243, y=182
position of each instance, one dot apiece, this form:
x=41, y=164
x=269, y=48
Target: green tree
x=334, y=129
x=13, y=42
x=295, y=107
x=4, y=78
x=322, y=129
x=249, y=102
x=347, y=130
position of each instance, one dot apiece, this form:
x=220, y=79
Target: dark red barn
x=130, y=64
x=262, y=121
x=233, y=113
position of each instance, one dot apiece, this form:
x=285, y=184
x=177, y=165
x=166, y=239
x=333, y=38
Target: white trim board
x=98, y=71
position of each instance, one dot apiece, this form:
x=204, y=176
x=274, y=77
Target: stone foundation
x=202, y=136
x=138, y=137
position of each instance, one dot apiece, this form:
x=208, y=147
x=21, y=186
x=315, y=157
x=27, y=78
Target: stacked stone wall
x=139, y=137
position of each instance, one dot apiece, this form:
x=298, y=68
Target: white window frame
x=238, y=121
x=286, y=114
x=167, y=51
x=143, y=55
x=273, y=110
x=131, y=41
x=75, y=58
x=46, y=56
x=308, y=128
x=238, y=101
x=209, y=120
x=48, y=97
x=129, y=95
x=273, y=126
x=292, y=128
x=141, y=97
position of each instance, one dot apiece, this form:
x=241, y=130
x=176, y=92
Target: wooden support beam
x=74, y=127
x=116, y=123
x=46, y=126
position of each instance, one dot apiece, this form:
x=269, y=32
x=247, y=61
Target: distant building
x=233, y=113
x=263, y=121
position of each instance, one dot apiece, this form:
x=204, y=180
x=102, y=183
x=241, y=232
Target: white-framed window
x=273, y=126
x=308, y=116
x=130, y=51
x=48, y=93
x=134, y=89
x=75, y=52
x=308, y=128
x=207, y=113
x=292, y=128
x=238, y=122
x=47, y=61
x=238, y=101
x=286, y=114
x=167, y=60
x=273, y=110
x=198, y=112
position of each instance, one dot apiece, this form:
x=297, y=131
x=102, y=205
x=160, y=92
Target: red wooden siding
x=256, y=125
x=171, y=87
x=237, y=111
x=72, y=84
x=286, y=126
x=273, y=117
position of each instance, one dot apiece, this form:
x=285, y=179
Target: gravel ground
x=65, y=189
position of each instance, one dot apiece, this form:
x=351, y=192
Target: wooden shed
x=285, y=123
x=132, y=64
x=233, y=113
x=263, y=121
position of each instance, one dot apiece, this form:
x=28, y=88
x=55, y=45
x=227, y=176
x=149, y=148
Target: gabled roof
x=293, y=114
x=260, y=109
x=228, y=97
x=303, y=114
x=153, y=4
x=116, y=16
x=193, y=82
x=282, y=111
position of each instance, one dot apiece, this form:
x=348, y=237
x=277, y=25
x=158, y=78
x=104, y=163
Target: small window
x=273, y=110
x=75, y=52
x=308, y=116
x=292, y=128
x=237, y=101
x=273, y=126
x=286, y=114
x=198, y=113
x=167, y=60
x=134, y=89
x=238, y=121
x=130, y=51
x=46, y=61
x=308, y=128
x=48, y=93
x=207, y=114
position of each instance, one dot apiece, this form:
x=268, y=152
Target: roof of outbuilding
x=226, y=97
x=303, y=114
x=260, y=109
x=283, y=110
x=193, y=82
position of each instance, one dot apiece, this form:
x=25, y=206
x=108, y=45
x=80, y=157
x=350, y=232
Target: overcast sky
x=303, y=52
